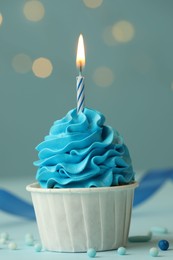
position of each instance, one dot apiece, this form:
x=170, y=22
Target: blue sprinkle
x=121, y=250
x=91, y=252
x=38, y=247
x=28, y=236
x=157, y=229
x=154, y=251
x=29, y=241
x=140, y=238
x=163, y=245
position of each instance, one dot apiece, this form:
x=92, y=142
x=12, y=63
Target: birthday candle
x=80, y=88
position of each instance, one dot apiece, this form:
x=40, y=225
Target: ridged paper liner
x=73, y=220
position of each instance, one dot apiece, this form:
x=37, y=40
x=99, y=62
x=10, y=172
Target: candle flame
x=80, y=57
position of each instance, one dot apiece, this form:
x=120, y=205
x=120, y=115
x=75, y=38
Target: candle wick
x=80, y=70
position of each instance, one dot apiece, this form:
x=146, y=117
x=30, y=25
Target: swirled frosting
x=80, y=151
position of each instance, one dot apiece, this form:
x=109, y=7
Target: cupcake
x=85, y=185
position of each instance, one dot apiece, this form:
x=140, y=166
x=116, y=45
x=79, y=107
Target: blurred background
x=128, y=74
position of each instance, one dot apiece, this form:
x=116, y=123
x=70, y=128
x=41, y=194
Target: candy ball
x=29, y=241
x=38, y=247
x=161, y=230
x=12, y=246
x=121, y=250
x=28, y=236
x=163, y=245
x=2, y=241
x=91, y=252
x=154, y=251
x=4, y=235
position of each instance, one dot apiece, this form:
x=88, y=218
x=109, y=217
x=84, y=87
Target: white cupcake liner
x=73, y=220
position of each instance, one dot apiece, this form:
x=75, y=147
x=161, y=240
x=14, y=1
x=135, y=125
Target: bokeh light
x=42, y=67
x=34, y=10
x=103, y=77
x=1, y=19
x=123, y=31
x=93, y=3
x=22, y=63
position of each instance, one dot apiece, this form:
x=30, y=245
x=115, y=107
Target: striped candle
x=80, y=88
x=80, y=62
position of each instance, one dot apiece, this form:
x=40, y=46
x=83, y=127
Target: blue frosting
x=80, y=151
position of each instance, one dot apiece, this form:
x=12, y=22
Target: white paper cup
x=73, y=220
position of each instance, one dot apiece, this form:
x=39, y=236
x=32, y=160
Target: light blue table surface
x=156, y=211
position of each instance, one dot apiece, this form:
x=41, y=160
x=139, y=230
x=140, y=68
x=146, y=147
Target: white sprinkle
x=2, y=241
x=154, y=252
x=4, y=235
x=12, y=246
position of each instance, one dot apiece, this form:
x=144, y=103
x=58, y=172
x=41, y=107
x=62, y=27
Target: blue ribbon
x=12, y=204
x=150, y=183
